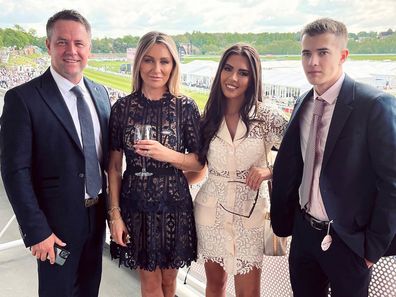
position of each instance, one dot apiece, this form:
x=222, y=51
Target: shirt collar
x=330, y=96
x=64, y=84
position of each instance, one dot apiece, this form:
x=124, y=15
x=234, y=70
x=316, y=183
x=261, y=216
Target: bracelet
x=111, y=222
x=113, y=208
x=117, y=216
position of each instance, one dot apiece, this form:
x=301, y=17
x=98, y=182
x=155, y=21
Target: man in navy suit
x=341, y=211
x=44, y=161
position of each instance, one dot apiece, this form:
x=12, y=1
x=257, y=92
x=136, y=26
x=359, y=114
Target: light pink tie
x=310, y=154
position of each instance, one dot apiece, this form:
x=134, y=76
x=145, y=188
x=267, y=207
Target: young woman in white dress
x=231, y=205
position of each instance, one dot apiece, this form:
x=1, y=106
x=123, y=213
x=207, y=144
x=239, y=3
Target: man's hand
x=368, y=263
x=45, y=249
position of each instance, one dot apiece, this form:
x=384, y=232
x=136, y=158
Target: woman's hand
x=152, y=149
x=119, y=232
x=256, y=176
x=157, y=151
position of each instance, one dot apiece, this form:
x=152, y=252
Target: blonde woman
x=151, y=214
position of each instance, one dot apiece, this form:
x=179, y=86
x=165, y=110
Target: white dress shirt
x=70, y=98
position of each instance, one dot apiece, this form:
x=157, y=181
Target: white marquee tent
x=286, y=78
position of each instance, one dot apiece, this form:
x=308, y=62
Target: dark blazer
x=358, y=176
x=42, y=162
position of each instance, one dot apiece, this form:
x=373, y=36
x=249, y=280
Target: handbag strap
x=268, y=164
x=266, y=155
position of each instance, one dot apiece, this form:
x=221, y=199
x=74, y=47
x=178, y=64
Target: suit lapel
x=223, y=133
x=294, y=122
x=102, y=106
x=53, y=97
x=341, y=113
x=240, y=133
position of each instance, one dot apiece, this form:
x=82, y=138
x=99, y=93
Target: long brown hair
x=216, y=104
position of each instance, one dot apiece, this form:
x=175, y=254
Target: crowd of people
x=115, y=94
x=63, y=143
x=12, y=77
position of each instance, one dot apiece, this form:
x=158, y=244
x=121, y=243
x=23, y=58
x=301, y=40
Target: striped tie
x=310, y=154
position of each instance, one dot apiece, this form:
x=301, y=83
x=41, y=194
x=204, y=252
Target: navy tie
x=93, y=180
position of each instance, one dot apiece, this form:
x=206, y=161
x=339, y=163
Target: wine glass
x=166, y=133
x=142, y=132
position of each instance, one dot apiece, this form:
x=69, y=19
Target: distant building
x=385, y=34
x=130, y=54
x=185, y=49
x=362, y=38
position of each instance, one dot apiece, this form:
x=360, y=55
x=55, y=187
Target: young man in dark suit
x=335, y=173
x=53, y=137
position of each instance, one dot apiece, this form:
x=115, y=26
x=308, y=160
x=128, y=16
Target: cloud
x=135, y=17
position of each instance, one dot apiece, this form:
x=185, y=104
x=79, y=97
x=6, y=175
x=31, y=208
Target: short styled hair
x=146, y=42
x=327, y=25
x=67, y=15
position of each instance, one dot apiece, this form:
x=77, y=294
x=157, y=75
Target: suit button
x=81, y=175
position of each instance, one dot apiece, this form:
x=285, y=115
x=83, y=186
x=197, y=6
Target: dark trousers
x=81, y=274
x=312, y=270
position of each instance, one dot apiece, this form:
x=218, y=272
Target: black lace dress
x=158, y=209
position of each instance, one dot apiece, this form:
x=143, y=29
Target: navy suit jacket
x=358, y=175
x=42, y=161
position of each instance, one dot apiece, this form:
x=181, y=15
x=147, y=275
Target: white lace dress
x=234, y=241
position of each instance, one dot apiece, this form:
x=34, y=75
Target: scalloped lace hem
x=244, y=267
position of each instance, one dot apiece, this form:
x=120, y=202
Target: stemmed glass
x=142, y=132
x=166, y=133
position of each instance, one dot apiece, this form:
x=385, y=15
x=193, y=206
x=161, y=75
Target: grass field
x=390, y=57
x=113, y=66
x=114, y=81
x=350, y=57
x=373, y=57
x=23, y=60
x=188, y=59
x=123, y=83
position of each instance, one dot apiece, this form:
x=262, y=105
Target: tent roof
x=291, y=74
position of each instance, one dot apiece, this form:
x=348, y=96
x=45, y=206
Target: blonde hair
x=145, y=43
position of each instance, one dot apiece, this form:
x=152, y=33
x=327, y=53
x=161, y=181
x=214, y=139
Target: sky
x=118, y=18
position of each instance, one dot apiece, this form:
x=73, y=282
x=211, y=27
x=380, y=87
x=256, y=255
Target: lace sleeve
x=190, y=125
x=115, y=125
x=274, y=122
